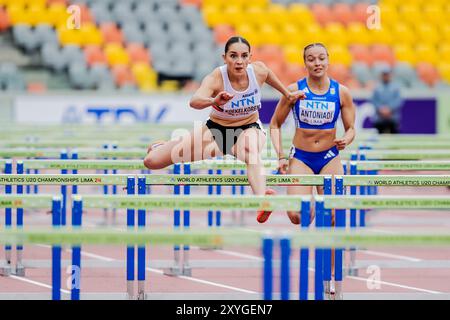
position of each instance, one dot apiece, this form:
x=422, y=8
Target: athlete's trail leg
x=248, y=149
x=298, y=167
x=334, y=167
x=197, y=145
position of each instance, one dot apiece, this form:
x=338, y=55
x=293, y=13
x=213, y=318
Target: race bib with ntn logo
x=316, y=112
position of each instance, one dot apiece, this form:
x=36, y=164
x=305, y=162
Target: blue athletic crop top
x=317, y=111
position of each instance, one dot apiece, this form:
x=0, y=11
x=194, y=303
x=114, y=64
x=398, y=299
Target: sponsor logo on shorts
x=330, y=154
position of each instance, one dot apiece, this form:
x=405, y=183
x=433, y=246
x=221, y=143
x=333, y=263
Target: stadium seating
x=10, y=78
x=134, y=39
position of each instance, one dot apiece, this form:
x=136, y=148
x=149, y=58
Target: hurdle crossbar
x=319, y=238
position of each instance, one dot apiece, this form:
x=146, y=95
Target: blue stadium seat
x=162, y=65
x=378, y=67
x=73, y=53
x=101, y=13
x=362, y=72
x=159, y=50
x=99, y=73
x=161, y=4
x=48, y=52
x=122, y=13
x=190, y=15
x=24, y=37
x=183, y=68
x=405, y=74
x=46, y=34
x=133, y=33
x=79, y=76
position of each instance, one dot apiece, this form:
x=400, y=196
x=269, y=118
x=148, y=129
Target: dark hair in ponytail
x=236, y=39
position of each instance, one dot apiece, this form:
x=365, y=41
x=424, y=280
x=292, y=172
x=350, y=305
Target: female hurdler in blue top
x=315, y=147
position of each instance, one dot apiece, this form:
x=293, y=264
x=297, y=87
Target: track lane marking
x=393, y=284
x=37, y=283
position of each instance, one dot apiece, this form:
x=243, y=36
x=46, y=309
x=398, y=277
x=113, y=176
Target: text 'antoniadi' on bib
x=317, y=111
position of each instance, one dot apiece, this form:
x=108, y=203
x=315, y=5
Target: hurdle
x=314, y=180
x=372, y=167
x=29, y=153
x=36, y=202
x=375, y=137
x=406, y=154
x=340, y=203
x=139, y=153
x=83, y=179
x=423, y=165
x=143, y=141
x=7, y=269
x=406, y=144
x=86, y=179
x=146, y=202
x=318, y=238
x=83, y=153
x=273, y=203
x=367, y=181
x=207, y=180
x=232, y=237
x=403, y=137
x=375, y=181
x=87, y=131
x=49, y=179
x=74, y=143
x=390, y=180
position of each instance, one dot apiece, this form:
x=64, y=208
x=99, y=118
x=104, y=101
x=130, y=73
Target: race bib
x=247, y=104
x=315, y=112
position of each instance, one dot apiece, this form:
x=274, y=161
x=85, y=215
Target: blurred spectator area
x=149, y=45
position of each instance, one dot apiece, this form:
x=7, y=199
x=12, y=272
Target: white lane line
x=37, y=283
x=240, y=255
x=83, y=253
x=205, y=282
x=370, y=252
x=216, y=284
x=381, y=231
x=95, y=256
x=390, y=255
x=310, y=269
x=385, y=254
x=233, y=253
x=43, y=246
x=393, y=284
x=360, y=278
x=255, y=230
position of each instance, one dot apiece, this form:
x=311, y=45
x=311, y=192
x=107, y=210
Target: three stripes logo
x=330, y=154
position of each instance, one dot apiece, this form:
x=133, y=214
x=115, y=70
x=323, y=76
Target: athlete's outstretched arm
x=203, y=97
x=279, y=116
x=348, y=112
x=274, y=82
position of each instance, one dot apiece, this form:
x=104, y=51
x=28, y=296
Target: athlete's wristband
x=217, y=107
x=282, y=158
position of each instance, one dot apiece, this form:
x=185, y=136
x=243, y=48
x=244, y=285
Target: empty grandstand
x=152, y=45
